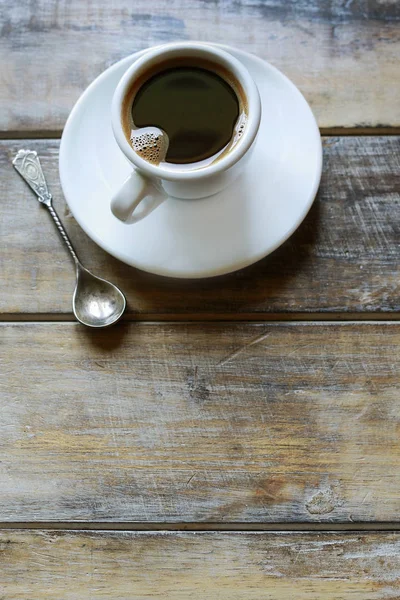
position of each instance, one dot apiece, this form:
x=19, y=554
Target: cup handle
x=134, y=189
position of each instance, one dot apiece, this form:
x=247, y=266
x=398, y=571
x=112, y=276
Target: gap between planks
x=355, y=318
x=324, y=131
x=193, y=527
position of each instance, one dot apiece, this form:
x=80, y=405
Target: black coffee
x=183, y=115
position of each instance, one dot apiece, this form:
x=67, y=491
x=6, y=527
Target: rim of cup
x=195, y=50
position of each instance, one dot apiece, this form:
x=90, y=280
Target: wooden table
x=232, y=438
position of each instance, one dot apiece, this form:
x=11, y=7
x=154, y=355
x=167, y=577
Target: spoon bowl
x=96, y=302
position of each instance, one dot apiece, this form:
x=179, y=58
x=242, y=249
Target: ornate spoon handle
x=28, y=165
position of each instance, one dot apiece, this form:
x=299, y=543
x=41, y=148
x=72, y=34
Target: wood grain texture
x=177, y=566
x=200, y=422
x=344, y=258
x=343, y=55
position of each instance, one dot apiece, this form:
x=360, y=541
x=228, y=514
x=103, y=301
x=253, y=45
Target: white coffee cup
x=159, y=181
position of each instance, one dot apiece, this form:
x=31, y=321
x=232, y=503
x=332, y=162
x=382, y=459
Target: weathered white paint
x=342, y=55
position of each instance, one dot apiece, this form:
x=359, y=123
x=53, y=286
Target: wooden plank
x=257, y=566
x=344, y=258
x=342, y=55
x=200, y=422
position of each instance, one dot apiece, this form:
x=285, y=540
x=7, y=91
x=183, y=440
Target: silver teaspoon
x=96, y=302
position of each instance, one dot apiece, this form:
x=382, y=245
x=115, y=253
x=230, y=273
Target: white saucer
x=196, y=238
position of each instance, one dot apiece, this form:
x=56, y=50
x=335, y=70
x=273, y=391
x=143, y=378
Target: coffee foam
x=150, y=143
x=239, y=128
